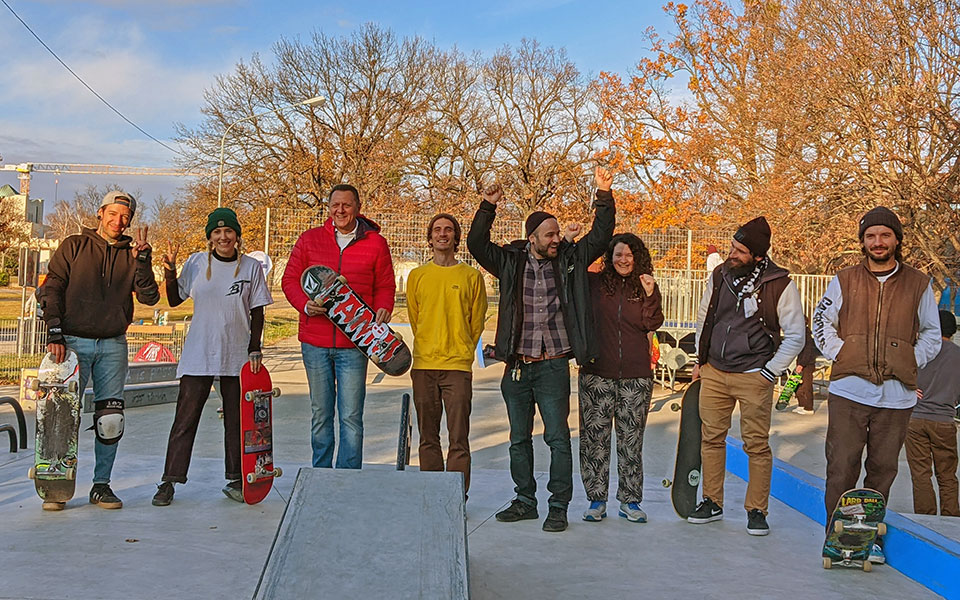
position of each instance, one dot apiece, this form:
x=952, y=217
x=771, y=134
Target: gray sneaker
x=234, y=490
x=596, y=512
x=632, y=512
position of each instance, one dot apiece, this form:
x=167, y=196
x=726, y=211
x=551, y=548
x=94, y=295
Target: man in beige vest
x=878, y=322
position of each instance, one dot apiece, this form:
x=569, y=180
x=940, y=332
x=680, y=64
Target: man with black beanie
x=544, y=318
x=747, y=301
x=878, y=323
x=931, y=435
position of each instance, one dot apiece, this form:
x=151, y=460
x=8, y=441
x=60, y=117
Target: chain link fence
x=407, y=236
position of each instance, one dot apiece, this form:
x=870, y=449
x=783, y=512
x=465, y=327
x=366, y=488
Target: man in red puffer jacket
x=351, y=244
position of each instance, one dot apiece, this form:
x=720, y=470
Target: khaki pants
x=719, y=394
x=932, y=448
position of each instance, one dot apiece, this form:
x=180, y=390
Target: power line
x=80, y=79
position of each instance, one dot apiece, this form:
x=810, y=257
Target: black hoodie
x=89, y=287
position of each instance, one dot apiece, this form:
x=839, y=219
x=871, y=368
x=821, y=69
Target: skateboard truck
x=36, y=386
x=263, y=474
x=251, y=396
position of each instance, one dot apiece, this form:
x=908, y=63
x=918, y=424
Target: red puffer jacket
x=365, y=262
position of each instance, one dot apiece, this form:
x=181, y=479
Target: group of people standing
x=877, y=321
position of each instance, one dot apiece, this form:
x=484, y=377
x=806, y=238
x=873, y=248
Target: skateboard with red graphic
x=256, y=433
x=54, y=471
x=347, y=310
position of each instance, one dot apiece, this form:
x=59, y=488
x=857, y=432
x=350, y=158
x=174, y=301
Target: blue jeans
x=336, y=374
x=106, y=360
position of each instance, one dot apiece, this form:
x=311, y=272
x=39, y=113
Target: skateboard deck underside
x=256, y=433
x=861, y=513
x=347, y=310
x=58, y=424
x=686, y=474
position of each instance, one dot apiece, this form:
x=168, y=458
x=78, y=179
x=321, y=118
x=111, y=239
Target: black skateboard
x=686, y=473
x=406, y=433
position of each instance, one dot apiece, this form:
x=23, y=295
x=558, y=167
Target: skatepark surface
x=206, y=546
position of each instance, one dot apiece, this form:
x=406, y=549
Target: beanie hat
x=881, y=215
x=948, y=324
x=755, y=235
x=222, y=217
x=121, y=198
x=534, y=220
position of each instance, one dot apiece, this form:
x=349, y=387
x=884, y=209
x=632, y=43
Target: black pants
x=194, y=391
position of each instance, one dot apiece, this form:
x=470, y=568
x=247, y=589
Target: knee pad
x=108, y=420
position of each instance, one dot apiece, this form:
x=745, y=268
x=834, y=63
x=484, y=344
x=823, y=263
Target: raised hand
x=647, y=281
x=603, y=179
x=572, y=231
x=140, y=241
x=170, y=257
x=492, y=193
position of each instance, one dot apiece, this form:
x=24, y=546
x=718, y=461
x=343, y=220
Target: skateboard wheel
x=278, y=472
x=276, y=392
x=72, y=387
x=35, y=385
x=399, y=337
x=375, y=359
x=666, y=483
x=342, y=279
x=827, y=563
x=838, y=526
x=32, y=473
x=881, y=529
x=71, y=473
x=675, y=406
x=248, y=396
x=867, y=566
x=251, y=478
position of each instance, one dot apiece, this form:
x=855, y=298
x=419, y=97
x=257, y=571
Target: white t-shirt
x=220, y=332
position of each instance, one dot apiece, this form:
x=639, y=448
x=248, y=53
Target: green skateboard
x=854, y=526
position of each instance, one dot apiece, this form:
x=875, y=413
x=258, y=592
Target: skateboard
x=406, y=434
x=347, y=310
x=686, y=473
x=793, y=382
x=854, y=526
x=256, y=433
x=54, y=471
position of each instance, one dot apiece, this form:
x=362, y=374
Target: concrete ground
x=206, y=546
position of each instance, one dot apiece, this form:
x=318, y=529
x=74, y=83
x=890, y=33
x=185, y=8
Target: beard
x=738, y=269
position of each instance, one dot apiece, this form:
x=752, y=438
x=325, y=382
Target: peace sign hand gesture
x=140, y=244
x=170, y=257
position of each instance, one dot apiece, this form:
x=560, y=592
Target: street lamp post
x=223, y=140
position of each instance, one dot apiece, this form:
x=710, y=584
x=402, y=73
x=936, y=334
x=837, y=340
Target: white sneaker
x=802, y=411
x=596, y=512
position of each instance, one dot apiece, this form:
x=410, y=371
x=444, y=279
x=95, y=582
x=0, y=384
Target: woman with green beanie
x=229, y=292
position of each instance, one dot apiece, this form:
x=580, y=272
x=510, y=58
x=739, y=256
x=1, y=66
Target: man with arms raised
x=544, y=318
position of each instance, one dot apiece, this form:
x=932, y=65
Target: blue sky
x=152, y=59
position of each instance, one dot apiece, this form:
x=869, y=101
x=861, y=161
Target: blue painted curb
x=927, y=557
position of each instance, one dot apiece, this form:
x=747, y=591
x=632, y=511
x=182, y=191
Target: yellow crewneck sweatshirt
x=447, y=307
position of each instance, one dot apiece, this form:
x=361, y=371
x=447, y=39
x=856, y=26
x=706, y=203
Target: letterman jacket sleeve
x=825, y=319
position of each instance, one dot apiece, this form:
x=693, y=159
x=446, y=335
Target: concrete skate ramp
x=373, y=533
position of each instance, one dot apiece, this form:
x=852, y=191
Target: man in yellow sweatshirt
x=447, y=306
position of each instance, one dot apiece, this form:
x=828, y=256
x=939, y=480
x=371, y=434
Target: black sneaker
x=164, y=495
x=757, y=522
x=706, y=512
x=103, y=496
x=517, y=511
x=556, y=519
x=234, y=490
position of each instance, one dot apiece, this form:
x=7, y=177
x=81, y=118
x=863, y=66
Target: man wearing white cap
x=88, y=304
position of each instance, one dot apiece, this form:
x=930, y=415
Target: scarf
x=745, y=295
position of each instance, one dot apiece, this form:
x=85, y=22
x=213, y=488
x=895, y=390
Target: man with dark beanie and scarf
x=748, y=300
x=878, y=323
x=88, y=304
x=544, y=318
